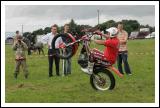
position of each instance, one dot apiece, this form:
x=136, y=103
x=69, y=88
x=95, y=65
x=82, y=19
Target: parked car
x=153, y=34
x=150, y=36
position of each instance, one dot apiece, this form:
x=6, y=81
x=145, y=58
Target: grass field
x=75, y=88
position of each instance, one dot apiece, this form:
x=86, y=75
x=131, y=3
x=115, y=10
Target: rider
x=111, y=43
x=111, y=46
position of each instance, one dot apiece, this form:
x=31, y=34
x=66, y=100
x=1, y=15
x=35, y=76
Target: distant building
x=141, y=34
x=153, y=34
x=39, y=39
x=144, y=29
x=9, y=40
x=134, y=34
x=149, y=36
x=9, y=34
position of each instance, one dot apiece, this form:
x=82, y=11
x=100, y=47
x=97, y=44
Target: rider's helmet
x=113, y=31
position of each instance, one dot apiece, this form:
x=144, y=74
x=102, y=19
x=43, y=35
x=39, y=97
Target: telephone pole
x=22, y=29
x=98, y=16
x=98, y=21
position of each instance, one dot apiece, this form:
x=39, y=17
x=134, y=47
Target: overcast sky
x=39, y=16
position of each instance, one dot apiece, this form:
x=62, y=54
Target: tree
x=38, y=32
x=131, y=25
x=75, y=29
x=60, y=29
x=79, y=29
x=152, y=29
x=105, y=25
x=72, y=26
x=25, y=34
x=47, y=30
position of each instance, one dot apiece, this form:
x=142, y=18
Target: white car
x=153, y=35
x=149, y=36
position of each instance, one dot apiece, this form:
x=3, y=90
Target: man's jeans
x=122, y=56
x=67, y=66
x=67, y=63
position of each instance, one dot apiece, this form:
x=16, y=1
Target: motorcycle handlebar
x=85, y=38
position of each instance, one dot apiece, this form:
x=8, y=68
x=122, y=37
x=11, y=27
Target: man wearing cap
x=111, y=46
x=111, y=43
x=123, y=52
x=20, y=47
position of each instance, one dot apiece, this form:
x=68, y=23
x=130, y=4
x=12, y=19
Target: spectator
x=17, y=33
x=52, y=53
x=67, y=63
x=123, y=52
x=19, y=46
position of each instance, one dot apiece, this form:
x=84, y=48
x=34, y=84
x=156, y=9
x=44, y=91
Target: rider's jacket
x=111, y=50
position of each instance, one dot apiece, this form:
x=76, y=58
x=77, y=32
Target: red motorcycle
x=91, y=61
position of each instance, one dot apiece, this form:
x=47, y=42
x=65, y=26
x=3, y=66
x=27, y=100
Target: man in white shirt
x=52, y=53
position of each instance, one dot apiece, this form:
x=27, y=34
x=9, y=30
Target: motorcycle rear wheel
x=102, y=79
x=67, y=52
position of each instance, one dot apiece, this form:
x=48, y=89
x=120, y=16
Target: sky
x=33, y=17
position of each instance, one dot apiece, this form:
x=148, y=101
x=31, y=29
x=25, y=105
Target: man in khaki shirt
x=20, y=47
x=123, y=52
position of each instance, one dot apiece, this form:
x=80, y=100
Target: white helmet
x=113, y=31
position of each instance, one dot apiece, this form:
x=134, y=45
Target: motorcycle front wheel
x=102, y=79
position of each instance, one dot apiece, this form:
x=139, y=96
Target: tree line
x=75, y=29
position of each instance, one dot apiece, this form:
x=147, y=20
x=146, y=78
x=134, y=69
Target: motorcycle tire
x=66, y=38
x=108, y=74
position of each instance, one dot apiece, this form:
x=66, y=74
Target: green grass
x=75, y=88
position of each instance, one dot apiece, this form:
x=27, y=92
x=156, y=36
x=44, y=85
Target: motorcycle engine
x=83, y=60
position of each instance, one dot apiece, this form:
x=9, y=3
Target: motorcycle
x=91, y=61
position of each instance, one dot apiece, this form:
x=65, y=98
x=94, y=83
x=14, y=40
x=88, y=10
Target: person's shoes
x=50, y=75
x=129, y=74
